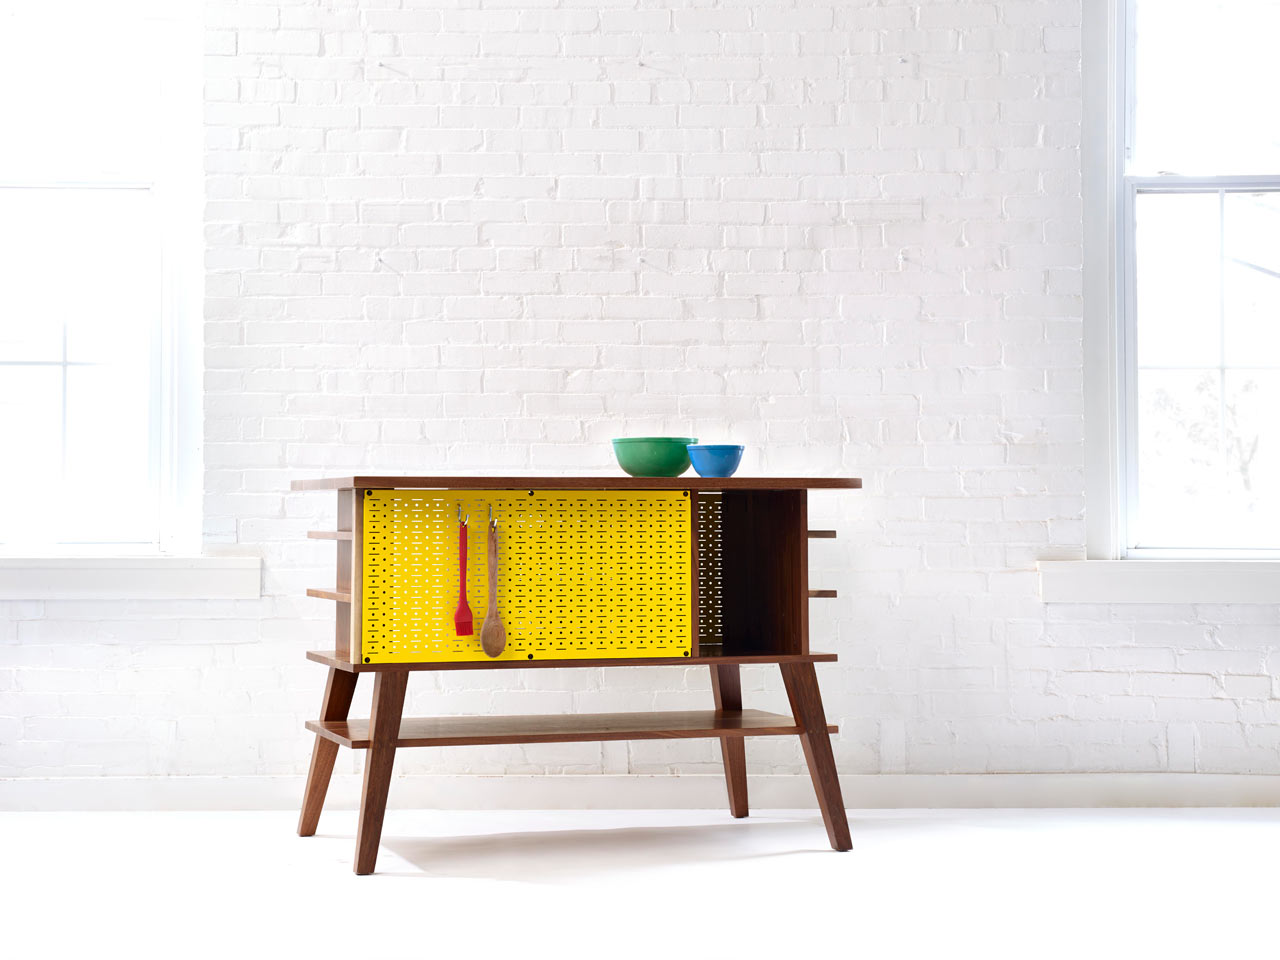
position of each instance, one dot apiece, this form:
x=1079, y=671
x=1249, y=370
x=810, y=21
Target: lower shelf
x=566, y=728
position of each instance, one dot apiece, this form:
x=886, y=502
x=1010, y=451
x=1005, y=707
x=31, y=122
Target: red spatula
x=462, y=616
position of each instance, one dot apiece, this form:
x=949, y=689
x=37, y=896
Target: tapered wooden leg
x=801, y=681
x=726, y=687
x=338, y=691
x=384, y=729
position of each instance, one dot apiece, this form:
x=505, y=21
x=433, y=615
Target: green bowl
x=653, y=456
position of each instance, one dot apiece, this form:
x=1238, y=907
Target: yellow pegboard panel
x=581, y=574
x=710, y=569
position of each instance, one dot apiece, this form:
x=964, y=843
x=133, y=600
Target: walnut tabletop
x=691, y=482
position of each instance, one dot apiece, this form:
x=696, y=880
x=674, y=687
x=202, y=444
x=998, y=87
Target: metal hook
x=492, y=522
x=461, y=519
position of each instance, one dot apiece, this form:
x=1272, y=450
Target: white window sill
x=1159, y=581
x=130, y=578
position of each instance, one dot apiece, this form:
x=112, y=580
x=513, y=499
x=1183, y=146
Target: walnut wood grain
x=795, y=536
x=329, y=660
x=822, y=594
x=347, y=560
x=563, y=728
x=801, y=681
x=383, y=730
x=578, y=483
x=726, y=690
x=765, y=593
x=334, y=706
x=764, y=571
x=355, y=519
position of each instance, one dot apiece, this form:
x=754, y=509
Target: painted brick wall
x=486, y=237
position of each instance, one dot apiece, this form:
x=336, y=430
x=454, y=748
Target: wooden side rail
x=822, y=534
x=822, y=594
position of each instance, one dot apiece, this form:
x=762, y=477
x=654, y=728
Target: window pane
x=82, y=91
x=83, y=259
x=1177, y=279
x=108, y=458
x=31, y=271
x=31, y=438
x=1209, y=459
x=1252, y=279
x=80, y=304
x=1180, y=479
x=1206, y=76
x=1208, y=370
x=1252, y=456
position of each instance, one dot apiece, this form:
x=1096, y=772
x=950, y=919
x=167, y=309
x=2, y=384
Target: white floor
x=668, y=884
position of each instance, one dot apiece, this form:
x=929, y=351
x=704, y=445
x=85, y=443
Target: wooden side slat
x=822, y=594
x=802, y=557
x=322, y=594
x=342, y=582
x=356, y=624
x=822, y=534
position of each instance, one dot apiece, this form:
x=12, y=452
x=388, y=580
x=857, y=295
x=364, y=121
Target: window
x=99, y=292
x=1198, y=278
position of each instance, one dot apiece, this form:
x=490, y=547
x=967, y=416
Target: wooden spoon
x=493, y=635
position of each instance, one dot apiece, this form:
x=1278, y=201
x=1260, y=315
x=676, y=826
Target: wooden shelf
x=329, y=660
x=328, y=594
x=578, y=483
x=328, y=534
x=822, y=594
x=822, y=534
x=566, y=728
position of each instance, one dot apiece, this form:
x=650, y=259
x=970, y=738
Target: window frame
x=1131, y=187
x=176, y=187
x=1109, y=193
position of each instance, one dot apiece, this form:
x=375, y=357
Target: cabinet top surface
x=578, y=483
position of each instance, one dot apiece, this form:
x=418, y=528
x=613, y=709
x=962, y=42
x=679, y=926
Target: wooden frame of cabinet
x=763, y=619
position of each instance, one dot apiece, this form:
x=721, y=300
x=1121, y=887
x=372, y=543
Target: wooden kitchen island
x=591, y=572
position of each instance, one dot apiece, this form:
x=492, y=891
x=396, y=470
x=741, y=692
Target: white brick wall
x=487, y=237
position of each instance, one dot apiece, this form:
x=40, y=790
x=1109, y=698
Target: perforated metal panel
x=710, y=577
x=580, y=574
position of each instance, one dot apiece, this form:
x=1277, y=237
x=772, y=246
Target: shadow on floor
x=551, y=856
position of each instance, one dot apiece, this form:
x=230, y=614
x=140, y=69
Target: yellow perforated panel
x=580, y=574
x=710, y=570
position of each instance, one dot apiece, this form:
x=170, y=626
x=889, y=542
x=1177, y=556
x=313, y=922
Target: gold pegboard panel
x=581, y=574
x=710, y=576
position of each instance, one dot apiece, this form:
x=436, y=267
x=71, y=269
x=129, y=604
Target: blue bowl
x=715, y=459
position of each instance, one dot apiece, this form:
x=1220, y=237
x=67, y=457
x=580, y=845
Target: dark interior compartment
x=752, y=572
